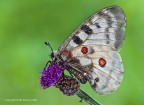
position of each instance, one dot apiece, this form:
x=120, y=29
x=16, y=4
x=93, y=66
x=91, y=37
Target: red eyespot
x=102, y=62
x=67, y=53
x=84, y=50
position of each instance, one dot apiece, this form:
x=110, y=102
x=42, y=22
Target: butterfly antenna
x=49, y=45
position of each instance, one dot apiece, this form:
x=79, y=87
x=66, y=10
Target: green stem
x=88, y=99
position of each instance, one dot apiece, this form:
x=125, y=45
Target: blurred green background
x=26, y=24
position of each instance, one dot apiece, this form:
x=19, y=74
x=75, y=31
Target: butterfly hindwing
x=93, y=49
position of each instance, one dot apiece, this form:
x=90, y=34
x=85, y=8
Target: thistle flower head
x=51, y=75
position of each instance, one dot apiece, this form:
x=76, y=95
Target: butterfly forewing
x=92, y=49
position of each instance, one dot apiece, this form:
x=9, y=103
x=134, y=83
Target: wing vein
x=107, y=74
x=103, y=82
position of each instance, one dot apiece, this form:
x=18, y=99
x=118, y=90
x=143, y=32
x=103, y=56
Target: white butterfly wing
x=94, y=46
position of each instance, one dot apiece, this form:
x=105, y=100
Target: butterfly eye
x=102, y=62
x=84, y=50
x=52, y=55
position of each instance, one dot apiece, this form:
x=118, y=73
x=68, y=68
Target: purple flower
x=51, y=75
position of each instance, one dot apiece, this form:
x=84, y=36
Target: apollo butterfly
x=89, y=54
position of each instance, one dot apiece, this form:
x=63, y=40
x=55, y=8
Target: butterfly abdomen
x=78, y=75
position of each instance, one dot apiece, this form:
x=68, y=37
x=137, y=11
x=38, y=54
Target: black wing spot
x=91, y=50
x=108, y=38
x=97, y=25
x=86, y=29
x=95, y=85
x=97, y=79
x=77, y=40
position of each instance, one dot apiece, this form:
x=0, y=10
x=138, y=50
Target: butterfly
x=89, y=54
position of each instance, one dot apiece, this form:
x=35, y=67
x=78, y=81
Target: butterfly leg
x=71, y=74
x=47, y=63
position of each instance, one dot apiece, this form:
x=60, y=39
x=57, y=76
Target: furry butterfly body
x=90, y=54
